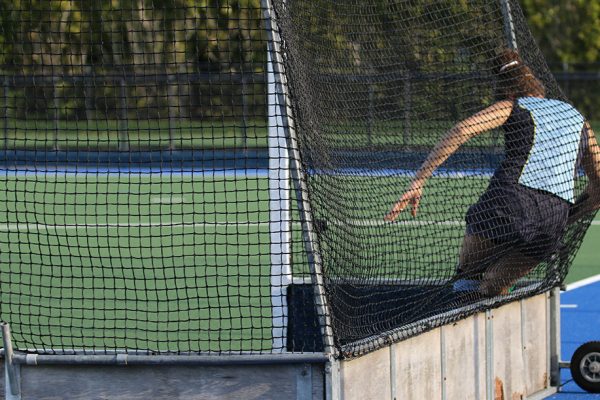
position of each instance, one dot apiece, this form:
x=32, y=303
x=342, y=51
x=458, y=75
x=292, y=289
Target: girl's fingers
x=415, y=206
x=398, y=208
x=412, y=197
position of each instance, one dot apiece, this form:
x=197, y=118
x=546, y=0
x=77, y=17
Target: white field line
x=583, y=282
x=189, y=225
x=358, y=223
x=568, y=306
x=49, y=227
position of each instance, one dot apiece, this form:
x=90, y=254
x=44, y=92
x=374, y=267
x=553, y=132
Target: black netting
x=373, y=87
x=134, y=214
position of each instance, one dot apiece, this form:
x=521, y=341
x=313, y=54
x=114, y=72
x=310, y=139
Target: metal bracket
x=489, y=354
x=332, y=380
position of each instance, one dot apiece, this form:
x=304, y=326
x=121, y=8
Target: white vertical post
x=279, y=205
x=301, y=188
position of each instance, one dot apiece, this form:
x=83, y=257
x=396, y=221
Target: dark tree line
x=74, y=59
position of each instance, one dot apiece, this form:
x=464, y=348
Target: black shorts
x=526, y=219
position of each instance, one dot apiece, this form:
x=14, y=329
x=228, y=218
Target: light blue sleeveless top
x=553, y=157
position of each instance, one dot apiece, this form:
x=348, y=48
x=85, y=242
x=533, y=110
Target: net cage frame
x=384, y=338
x=285, y=171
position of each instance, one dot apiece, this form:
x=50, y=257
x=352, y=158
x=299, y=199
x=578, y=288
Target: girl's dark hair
x=514, y=78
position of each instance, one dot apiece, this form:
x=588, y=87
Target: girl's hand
x=412, y=196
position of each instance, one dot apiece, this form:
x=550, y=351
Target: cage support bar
x=443, y=363
x=301, y=188
x=554, y=337
x=393, y=372
x=280, y=224
x=11, y=372
x=489, y=355
x=333, y=385
x=5, y=112
x=129, y=359
x=476, y=362
x=509, y=25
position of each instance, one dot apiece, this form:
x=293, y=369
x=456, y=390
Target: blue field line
x=128, y=172
x=580, y=323
x=232, y=173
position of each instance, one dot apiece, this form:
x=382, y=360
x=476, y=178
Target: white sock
x=466, y=285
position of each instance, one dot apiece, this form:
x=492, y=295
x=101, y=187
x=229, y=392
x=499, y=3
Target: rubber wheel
x=585, y=366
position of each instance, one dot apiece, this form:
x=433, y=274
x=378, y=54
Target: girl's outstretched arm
x=485, y=120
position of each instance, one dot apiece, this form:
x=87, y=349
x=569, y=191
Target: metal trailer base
x=504, y=353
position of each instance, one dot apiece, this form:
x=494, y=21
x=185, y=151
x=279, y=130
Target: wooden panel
x=535, y=344
x=508, y=352
x=318, y=382
x=465, y=358
x=418, y=372
x=367, y=377
x=140, y=382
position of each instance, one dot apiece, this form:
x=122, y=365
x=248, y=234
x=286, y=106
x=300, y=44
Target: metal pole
x=509, y=26
x=280, y=225
x=407, y=108
x=12, y=388
x=123, y=134
x=55, y=115
x=371, y=116
x=5, y=114
x=554, y=339
x=489, y=355
x=181, y=359
x=245, y=110
x=172, y=94
x=299, y=179
x=443, y=362
x=87, y=86
x=333, y=384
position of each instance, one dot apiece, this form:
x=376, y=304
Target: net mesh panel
x=373, y=87
x=134, y=213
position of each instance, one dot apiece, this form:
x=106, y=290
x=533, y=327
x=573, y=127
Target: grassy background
x=135, y=261
x=96, y=135
x=587, y=261
x=182, y=262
